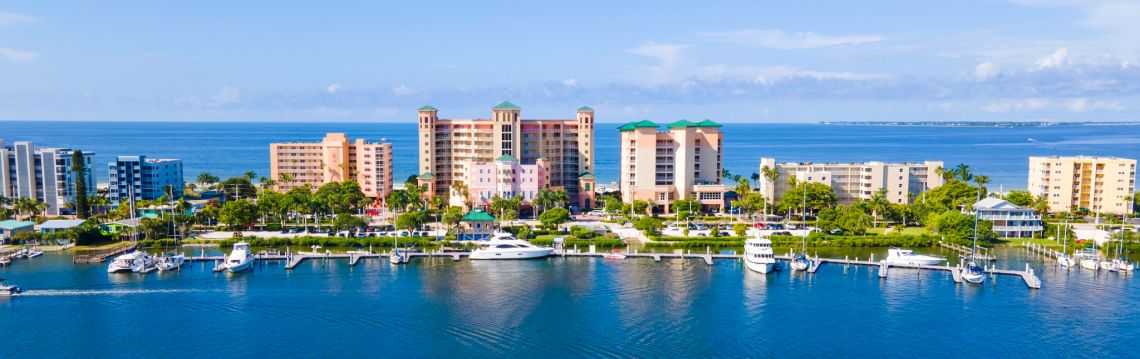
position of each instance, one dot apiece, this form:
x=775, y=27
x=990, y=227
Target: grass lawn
x=1040, y=241
x=907, y=230
x=98, y=246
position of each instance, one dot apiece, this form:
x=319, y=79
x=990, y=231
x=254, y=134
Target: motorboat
x=1065, y=261
x=145, y=264
x=1107, y=265
x=240, y=259
x=1088, y=260
x=758, y=255
x=7, y=290
x=974, y=273
x=614, y=254
x=899, y=256
x=32, y=253
x=505, y=246
x=126, y=262
x=171, y=262
x=1123, y=265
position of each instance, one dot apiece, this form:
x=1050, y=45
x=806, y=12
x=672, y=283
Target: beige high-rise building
x=681, y=162
x=334, y=159
x=450, y=147
x=1099, y=184
x=854, y=181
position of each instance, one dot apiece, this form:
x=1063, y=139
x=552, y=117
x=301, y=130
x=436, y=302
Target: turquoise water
x=561, y=308
x=230, y=149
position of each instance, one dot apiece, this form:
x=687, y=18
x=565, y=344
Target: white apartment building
x=854, y=181
x=42, y=174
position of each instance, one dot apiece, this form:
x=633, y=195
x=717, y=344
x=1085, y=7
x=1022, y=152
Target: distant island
x=973, y=123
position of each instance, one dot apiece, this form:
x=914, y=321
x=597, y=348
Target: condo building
x=683, y=161
x=1096, y=184
x=42, y=174
x=853, y=181
x=506, y=177
x=334, y=159
x=451, y=148
x=139, y=178
x=1010, y=221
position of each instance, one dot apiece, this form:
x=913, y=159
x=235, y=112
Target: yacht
x=8, y=290
x=505, y=246
x=145, y=264
x=1088, y=260
x=126, y=262
x=899, y=256
x=758, y=255
x=170, y=262
x=240, y=259
x=1065, y=260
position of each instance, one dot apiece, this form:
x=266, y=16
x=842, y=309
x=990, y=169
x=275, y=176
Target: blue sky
x=747, y=61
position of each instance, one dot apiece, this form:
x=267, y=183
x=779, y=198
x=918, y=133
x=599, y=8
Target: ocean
x=230, y=149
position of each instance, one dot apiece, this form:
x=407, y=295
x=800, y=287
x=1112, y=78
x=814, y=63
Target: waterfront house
x=9, y=228
x=1010, y=221
x=476, y=225
x=59, y=225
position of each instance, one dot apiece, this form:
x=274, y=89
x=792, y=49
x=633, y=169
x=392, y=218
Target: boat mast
x=804, y=219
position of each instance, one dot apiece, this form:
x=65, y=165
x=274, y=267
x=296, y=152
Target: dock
x=102, y=255
x=964, y=250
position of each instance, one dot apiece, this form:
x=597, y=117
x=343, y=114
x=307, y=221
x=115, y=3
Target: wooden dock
x=102, y=255
x=964, y=250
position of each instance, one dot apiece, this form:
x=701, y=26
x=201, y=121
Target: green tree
x=79, y=170
x=684, y=207
x=1020, y=198
x=879, y=203
x=411, y=220
x=651, y=226
x=959, y=227
x=750, y=203
x=640, y=206
x=346, y=220
x=963, y=172
x=981, y=180
x=237, y=213
x=819, y=196
x=205, y=178
x=452, y=215
x=553, y=217
x=237, y=187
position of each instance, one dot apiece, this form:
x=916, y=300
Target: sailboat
x=974, y=274
x=801, y=261
x=1063, y=259
x=1121, y=262
x=397, y=256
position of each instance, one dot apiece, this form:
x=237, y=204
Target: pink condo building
x=334, y=159
x=680, y=162
x=505, y=177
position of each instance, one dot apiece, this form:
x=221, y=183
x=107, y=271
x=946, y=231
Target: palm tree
x=561, y=197
x=543, y=200
x=963, y=172
x=946, y=174
x=742, y=186
x=1041, y=205
x=285, y=178
x=878, y=203
x=755, y=178
x=250, y=175
x=981, y=180
x=461, y=189
x=207, y=178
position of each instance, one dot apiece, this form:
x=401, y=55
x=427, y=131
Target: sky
x=730, y=61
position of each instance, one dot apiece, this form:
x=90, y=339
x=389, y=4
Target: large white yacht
x=899, y=256
x=170, y=262
x=240, y=259
x=758, y=254
x=128, y=262
x=505, y=246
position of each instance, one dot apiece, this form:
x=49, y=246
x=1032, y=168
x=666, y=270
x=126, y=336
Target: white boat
x=7, y=290
x=505, y=246
x=1107, y=265
x=125, y=262
x=1123, y=265
x=758, y=255
x=973, y=273
x=899, y=256
x=145, y=264
x=1088, y=260
x=613, y=255
x=170, y=262
x=398, y=257
x=32, y=253
x=240, y=259
x=1065, y=261
x=801, y=262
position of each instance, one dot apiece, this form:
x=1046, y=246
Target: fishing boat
x=758, y=254
x=170, y=262
x=899, y=256
x=240, y=259
x=505, y=246
x=7, y=290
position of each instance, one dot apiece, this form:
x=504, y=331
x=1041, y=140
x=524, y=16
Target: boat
x=398, y=257
x=1107, y=265
x=974, y=273
x=801, y=260
x=758, y=255
x=1088, y=260
x=899, y=256
x=32, y=253
x=503, y=245
x=1063, y=259
x=240, y=259
x=145, y=264
x=170, y=262
x=614, y=254
x=4, y=261
x=1123, y=265
x=7, y=290
x=125, y=262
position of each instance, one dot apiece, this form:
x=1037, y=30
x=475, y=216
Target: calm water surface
x=558, y=308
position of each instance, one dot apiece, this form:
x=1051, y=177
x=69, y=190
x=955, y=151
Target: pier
x=964, y=250
x=102, y=255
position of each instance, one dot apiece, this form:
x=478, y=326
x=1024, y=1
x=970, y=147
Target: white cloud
x=12, y=18
x=668, y=57
x=986, y=70
x=18, y=56
x=570, y=82
x=227, y=95
x=1083, y=105
x=333, y=88
x=403, y=90
x=779, y=39
x=1054, y=60
x=1031, y=104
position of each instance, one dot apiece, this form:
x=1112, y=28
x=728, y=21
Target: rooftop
x=507, y=158
x=636, y=125
x=14, y=224
x=425, y=175
x=477, y=215
x=61, y=223
x=586, y=176
x=426, y=108
x=689, y=124
x=585, y=108
x=506, y=105
x=992, y=203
